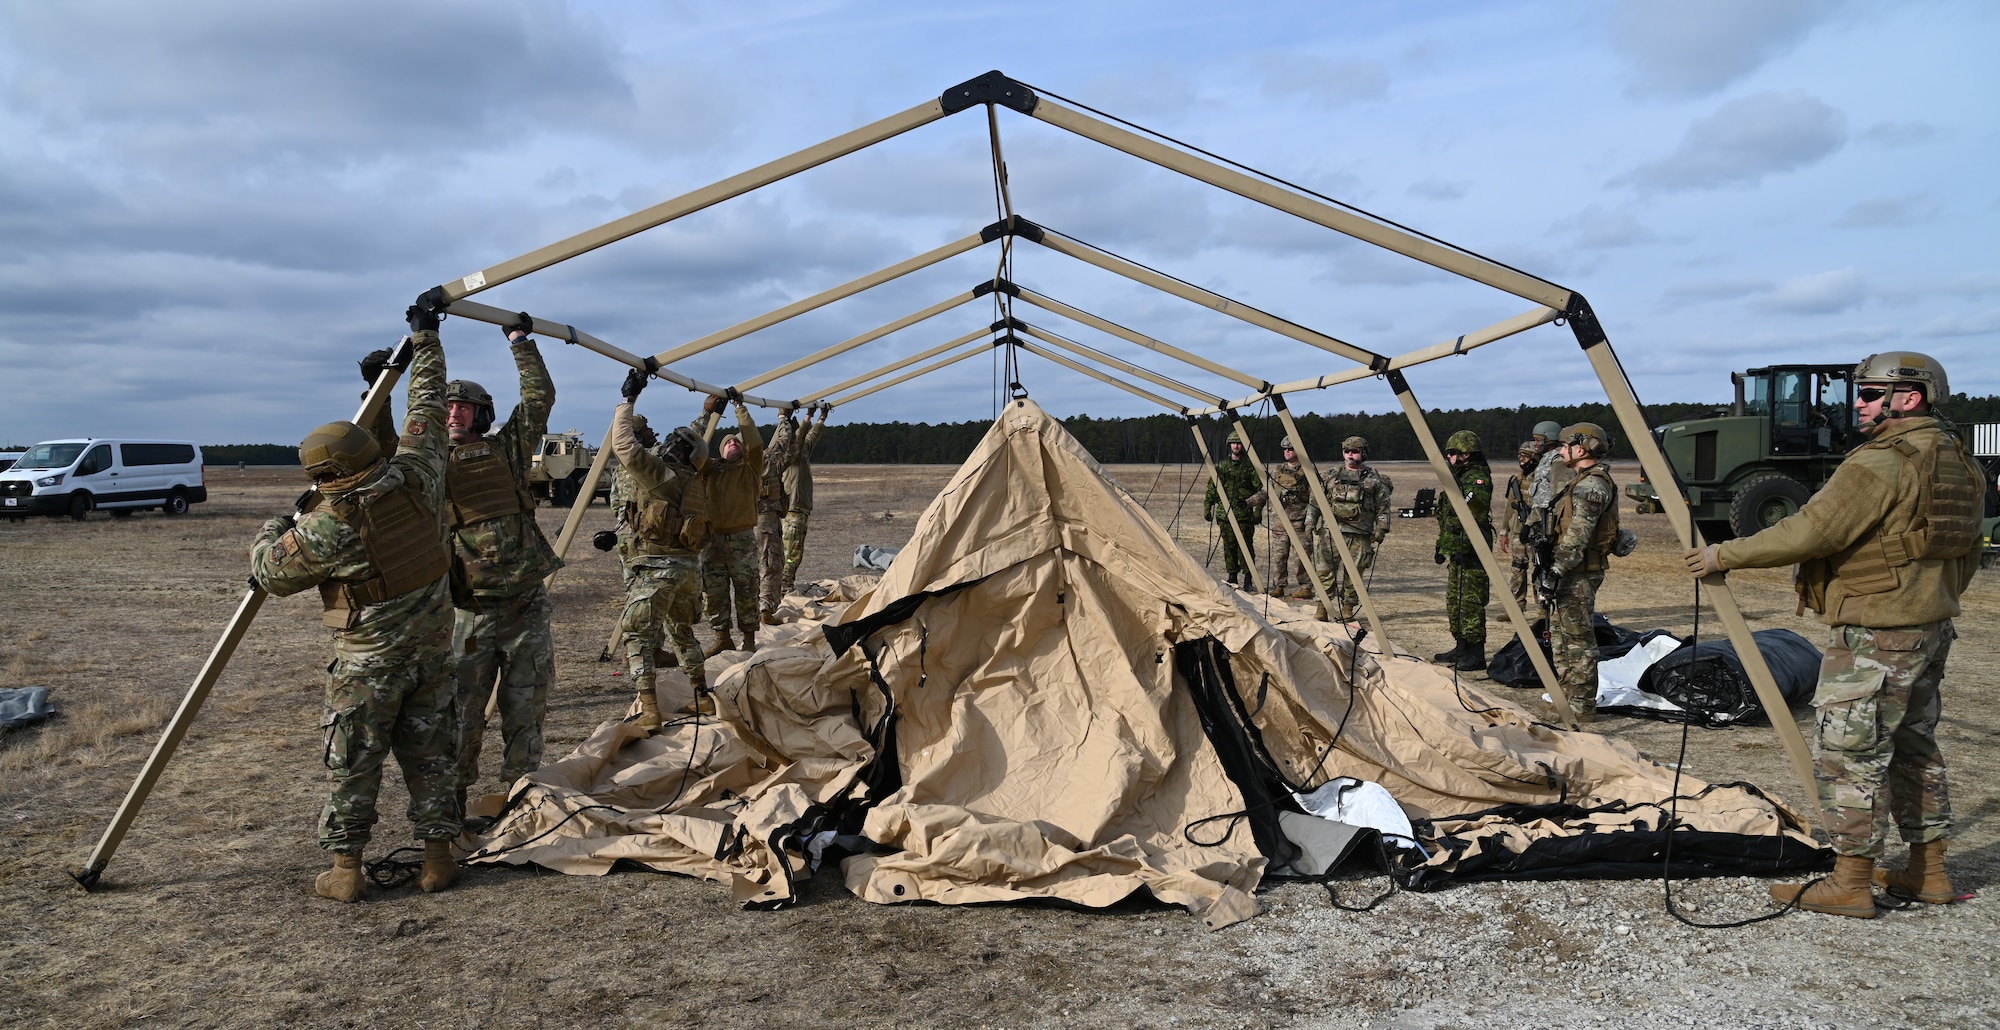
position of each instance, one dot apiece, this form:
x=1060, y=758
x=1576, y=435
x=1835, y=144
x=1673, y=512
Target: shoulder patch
x=415, y=425
x=285, y=547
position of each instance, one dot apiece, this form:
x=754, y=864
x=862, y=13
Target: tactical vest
x=405, y=547
x=1599, y=545
x=1290, y=481
x=481, y=485
x=1943, y=524
x=670, y=517
x=1348, y=496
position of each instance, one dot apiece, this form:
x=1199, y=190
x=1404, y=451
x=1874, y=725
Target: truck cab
x=1746, y=468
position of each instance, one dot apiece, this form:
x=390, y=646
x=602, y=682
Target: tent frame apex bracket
x=994, y=87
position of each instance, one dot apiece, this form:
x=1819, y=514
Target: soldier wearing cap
x=1513, y=526
x=1466, y=587
x=500, y=562
x=1883, y=550
x=1584, y=528
x=1288, y=478
x=369, y=538
x=729, y=566
x=1240, y=487
x=1361, y=499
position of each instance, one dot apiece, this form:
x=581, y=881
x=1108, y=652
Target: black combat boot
x=1450, y=657
x=1471, y=657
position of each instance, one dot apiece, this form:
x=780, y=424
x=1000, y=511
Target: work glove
x=635, y=382
x=522, y=324
x=712, y=404
x=1704, y=561
x=421, y=318
x=604, y=540
x=373, y=364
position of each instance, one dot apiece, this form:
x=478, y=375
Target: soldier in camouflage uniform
x=729, y=568
x=1884, y=549
x=1549, y=476
x=1361, y=501
x=1513, y=530
x=1240, y=481
x=771, y=505
x=500, y=560
x=799, y=495
x=371, y=541
x=1294, y=502
x=670, y=524
x=1466, y=588
x=1585, y=524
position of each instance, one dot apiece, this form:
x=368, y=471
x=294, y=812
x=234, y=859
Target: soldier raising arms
x=669, y=526
x=371, y=544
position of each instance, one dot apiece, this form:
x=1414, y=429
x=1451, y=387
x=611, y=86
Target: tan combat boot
x=769, y=616
x=723, y=642
x=1923, y=879
x=1843, y=893
x=1276, y=590
x=440, y=869
x=703, y=703
x=1319, y=610
x=749, y=640
x=648, y=718
x=344, y=882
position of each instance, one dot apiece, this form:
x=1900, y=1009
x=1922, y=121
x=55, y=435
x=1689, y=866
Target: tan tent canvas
x=1045, y=697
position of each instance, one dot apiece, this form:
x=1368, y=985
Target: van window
x=156, y=453
x=50, y=456
x=96, y=461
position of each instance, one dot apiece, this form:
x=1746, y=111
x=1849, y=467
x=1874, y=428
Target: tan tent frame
x=994, y=90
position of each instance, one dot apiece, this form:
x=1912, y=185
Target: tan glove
x=1704, y=561
x=712, y=404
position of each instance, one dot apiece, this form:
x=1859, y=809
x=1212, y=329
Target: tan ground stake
x=204, y=681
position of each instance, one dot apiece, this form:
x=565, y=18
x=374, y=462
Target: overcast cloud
x=210, y=209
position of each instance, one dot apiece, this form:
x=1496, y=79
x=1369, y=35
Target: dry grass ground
x=206, y=916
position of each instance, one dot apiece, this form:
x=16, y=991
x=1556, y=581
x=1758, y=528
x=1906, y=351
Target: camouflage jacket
x=287, y=559
x=507, y=555
x=1360, y=500
x=1294, y=490
x=1550, y=476
x=652, y=477
x=1239, y=477
x=1593, y=498
x=1515, y=515
x=1475, y=482
x=777, y=458
x=799, y=474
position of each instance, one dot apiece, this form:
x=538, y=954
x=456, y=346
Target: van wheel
x=79, y=506
x=177, y=503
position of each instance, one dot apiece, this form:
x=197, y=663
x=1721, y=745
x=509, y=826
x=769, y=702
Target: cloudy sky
x=209, y=210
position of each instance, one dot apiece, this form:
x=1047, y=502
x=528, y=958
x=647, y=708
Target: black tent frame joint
x=1583, y=322
x=1012, y=225
x=994, y=87
x=996, y=286
x=1009, y=322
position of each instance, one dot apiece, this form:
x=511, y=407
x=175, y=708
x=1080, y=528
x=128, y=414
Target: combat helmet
x=1233, y=437
x=1905, y=367
x=476, y=395
x=1529, y=448
x=1355, y=443
x=643, y=432
x=1590, y=436
x=682, y=445
x=1547, y=429
x=339, y=450
x=1465, y=441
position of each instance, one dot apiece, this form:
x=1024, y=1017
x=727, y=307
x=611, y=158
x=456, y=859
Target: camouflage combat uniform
x=666, y=512
x=729, y=567
x=1361, y=502
x=499, y=562
x=1513, y=533
x=621, y=495
x=1586, y=523
x=771, y=505
x=1466, y=588
x=1886, y=548
x=389, y=687
x=1239, y=479
x=799, y=495
x=1294, y=502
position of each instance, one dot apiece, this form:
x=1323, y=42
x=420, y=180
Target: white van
x=71, y=477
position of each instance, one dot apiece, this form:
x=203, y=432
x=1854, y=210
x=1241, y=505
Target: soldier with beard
x=1584, y=525
x=1361, y=501
x=1294, y=503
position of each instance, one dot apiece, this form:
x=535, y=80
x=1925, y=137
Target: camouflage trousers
x=770, y=559
x=1519, y=583
x=1466, y=591
x=508, y=639
x=796, y=524
x=729, y=581
x=1326, y=561
x=1878, y=759
x=1232, y=556
x=408, y=710
x=1283, y=566
x=1573, y=640
x=665, y=593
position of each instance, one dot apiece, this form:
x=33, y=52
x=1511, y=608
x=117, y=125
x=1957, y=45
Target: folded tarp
x=23, y=706
x=1709, y=686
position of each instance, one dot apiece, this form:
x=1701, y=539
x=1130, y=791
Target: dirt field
x=206, y=915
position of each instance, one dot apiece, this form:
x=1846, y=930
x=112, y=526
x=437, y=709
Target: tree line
x=1167, y=439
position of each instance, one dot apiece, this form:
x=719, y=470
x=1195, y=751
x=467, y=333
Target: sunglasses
x=1871, y=394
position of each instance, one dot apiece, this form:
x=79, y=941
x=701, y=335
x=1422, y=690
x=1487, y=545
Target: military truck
x=1986, y=448
x=559, y=467
x=1744, y=468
